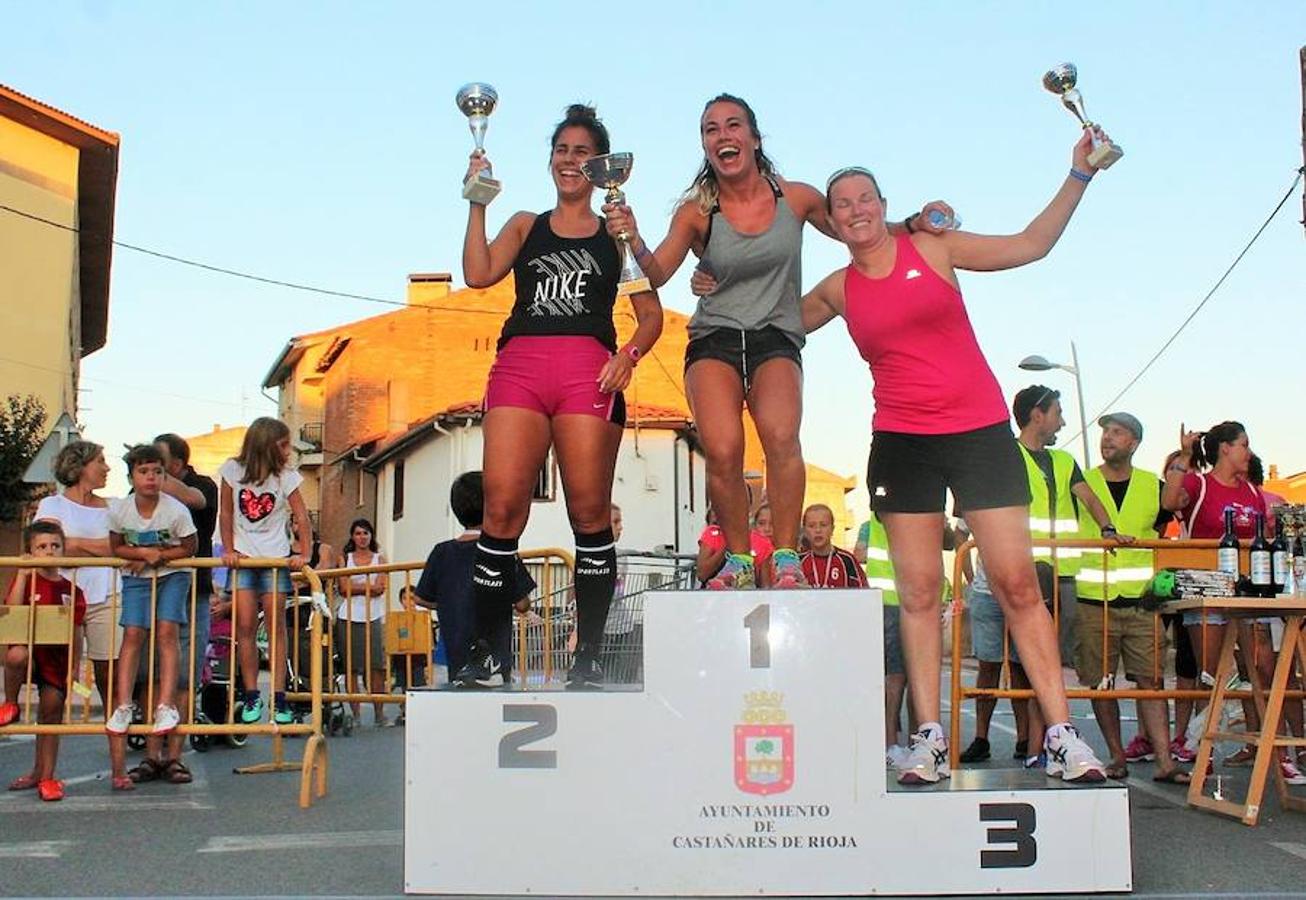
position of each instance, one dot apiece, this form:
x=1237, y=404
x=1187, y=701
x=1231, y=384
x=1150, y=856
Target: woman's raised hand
x=620, y=222
x=477, y=162
x=1084, y=146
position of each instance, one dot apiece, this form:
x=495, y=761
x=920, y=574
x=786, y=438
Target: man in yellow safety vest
x=1055, y=483
x=1108, y=616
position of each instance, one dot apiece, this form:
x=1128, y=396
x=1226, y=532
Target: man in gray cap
x=1108, y=591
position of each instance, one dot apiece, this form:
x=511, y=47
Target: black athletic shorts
x=912, y=473
x=743, y=351
x=1185, y=660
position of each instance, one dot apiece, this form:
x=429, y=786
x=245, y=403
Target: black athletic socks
x=492, y=581
x=596, y=579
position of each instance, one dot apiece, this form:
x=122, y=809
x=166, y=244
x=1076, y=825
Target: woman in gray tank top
x=745, y=223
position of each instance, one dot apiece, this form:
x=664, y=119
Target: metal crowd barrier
x=406, y=632
x=37, y=626
x=1191, y=554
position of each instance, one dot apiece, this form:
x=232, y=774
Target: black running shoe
x=978, y=751
x=585, y=673
x=483, y=670
x=1022, y=751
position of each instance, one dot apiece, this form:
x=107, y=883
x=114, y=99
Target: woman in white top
x=360, y=616
x=84, y=515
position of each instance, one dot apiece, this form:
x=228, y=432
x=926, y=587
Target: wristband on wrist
x=907, y=222
x=632, y=350
x=643, y=252
x=1176, y=467
x=1080, y=176
x=1108, y=530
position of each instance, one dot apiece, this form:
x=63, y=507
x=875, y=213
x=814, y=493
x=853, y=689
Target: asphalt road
x=229, y=834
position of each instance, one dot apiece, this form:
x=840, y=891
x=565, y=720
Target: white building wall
x=645, y=488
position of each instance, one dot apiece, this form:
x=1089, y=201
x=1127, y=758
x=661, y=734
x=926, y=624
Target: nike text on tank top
x=564, y=285
x=759, y=277
x=911, y=326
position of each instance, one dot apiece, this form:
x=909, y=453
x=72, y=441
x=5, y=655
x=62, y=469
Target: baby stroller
x=215, y=682
x=337, y=717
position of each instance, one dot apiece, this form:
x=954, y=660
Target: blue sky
x=319, y=143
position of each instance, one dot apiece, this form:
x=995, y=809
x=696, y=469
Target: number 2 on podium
x=758, y=623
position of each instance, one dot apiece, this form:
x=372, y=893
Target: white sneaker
x=1069, y=758
x=896, y=756
x=120, y=721
x=1291, y=774
x=166, y=718
x=926, y=762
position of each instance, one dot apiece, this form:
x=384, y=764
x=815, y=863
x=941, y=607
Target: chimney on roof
x=426, y=288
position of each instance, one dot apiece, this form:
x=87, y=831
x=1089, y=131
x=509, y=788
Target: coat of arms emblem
x=764, y=745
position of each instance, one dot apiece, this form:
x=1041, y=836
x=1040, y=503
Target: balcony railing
x=311, y=433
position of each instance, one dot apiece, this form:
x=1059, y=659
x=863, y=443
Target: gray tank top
x=759, y=277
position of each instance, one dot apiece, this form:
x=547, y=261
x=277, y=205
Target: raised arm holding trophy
x=1061, y=81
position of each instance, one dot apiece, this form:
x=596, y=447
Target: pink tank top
x=930, y=375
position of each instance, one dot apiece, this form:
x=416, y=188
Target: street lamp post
x=1042, y=364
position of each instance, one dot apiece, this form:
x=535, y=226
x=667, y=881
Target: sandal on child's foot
x=123, y=783
x=146, y=770
x=50, y=790
x=175, y=772
x=23, y=782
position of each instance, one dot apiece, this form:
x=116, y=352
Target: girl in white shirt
x=360, y=617
x=259, y=505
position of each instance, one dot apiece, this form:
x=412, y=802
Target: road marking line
x=244, y=843
x=1298, y=850
x=26, y=802
x=34, y=850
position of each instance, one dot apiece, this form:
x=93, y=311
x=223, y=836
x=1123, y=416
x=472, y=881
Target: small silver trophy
x=1061, y=81
x=610, y=171
x=477, y=101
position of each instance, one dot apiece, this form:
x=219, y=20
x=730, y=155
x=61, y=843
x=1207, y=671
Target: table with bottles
x=1269, y=702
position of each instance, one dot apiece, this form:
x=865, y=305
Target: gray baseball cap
x=1126, y=421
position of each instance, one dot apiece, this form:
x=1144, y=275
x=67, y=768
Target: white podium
x=752, y=762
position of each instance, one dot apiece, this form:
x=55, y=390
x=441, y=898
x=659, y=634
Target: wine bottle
x=1227, y=553
x=1259, y=565
x=1280, y=561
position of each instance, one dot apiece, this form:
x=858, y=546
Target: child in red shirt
x=49, y=664
x=825, y=565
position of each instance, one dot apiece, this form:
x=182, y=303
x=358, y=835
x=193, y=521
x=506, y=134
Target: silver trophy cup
x=477, y=101
x=610, y=172
x=1061, y=81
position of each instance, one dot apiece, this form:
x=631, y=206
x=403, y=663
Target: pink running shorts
x=555, y=375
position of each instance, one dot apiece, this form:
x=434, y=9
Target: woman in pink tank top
x=940, y=424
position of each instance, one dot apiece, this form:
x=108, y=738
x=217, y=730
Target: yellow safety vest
x=879, y=568
x=1064, y=522
x=1127, y=571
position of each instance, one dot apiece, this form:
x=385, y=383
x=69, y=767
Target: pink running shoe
x=1139, y=750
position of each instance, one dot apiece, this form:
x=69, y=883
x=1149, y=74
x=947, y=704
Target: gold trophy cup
x=1061, y=81
x=610, y=172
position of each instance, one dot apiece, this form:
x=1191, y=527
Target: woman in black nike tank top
x=556, y=381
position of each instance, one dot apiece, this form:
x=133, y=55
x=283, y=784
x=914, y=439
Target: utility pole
x=1302, y=60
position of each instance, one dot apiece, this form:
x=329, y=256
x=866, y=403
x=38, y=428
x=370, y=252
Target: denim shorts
x=171, y=602
x=260, y=581
x=987, y=624
x=893, y=664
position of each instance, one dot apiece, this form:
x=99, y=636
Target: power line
x=234, y=273
x=1110, y=404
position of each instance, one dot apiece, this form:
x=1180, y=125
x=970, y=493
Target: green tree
x=22, y=430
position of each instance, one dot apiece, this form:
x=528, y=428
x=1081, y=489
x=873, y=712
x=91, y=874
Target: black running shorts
x=743, y=351
x=912, y=473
